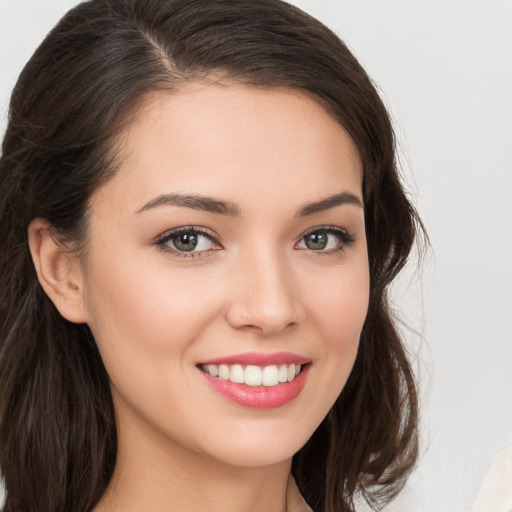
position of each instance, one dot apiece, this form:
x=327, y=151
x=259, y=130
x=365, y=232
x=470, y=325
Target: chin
x=266, y=444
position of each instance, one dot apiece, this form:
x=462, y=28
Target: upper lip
x=260, y=359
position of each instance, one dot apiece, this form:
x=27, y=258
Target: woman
x=200, y=217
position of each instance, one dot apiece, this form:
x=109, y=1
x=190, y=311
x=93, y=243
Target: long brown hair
x=57, y=426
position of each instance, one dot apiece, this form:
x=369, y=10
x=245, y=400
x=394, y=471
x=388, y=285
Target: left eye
x=324, y=240
x=188, y=241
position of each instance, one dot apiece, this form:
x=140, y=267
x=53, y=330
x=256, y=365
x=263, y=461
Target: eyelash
x=345, y=239
x=163, y=240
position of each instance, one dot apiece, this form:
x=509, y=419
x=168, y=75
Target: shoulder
x=496, y=492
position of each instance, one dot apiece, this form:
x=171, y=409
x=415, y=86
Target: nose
x=264, y=296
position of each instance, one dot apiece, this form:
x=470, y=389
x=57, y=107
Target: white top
x=496, y=492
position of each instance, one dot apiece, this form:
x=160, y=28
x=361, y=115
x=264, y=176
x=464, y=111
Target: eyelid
x=346, y=238
x=162, y=239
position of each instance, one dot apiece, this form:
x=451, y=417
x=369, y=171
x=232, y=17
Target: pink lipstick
x=260, y=359
x=257, y=380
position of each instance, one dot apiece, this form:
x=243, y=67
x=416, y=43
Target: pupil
x=186, y=242
x=316, y=241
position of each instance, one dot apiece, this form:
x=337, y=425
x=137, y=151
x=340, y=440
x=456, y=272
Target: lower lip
x=259, y=397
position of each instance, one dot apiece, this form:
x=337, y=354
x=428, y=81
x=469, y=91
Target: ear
x=58, y=270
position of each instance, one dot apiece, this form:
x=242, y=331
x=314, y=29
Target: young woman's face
x=230, y=241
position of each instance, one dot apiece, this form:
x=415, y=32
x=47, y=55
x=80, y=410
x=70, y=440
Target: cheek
x=340, y=305
x=344, y=313
x=146, y=314
x=338, y=312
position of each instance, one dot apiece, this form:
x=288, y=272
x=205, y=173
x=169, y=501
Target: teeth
x=270, y=376
x=224, y=372
x=213, y=370
x=237, y=374
x=283, y=373
x=254, y=375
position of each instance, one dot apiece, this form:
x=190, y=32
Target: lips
x=259, y=359
x=257, y=380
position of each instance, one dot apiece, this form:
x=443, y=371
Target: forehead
x=236, y=142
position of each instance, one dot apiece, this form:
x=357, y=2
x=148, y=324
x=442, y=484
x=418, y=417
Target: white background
x=445, y=70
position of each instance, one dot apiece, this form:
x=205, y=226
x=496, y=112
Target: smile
x=252, y=375
x=263, y=381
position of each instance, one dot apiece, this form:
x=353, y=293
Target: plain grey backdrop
x=444, y=68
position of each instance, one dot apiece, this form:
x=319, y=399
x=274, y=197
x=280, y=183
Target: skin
x=156, y=313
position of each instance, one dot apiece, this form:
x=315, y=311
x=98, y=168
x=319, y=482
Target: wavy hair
x=57, y=427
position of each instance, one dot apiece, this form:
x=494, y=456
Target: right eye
x=188, y=241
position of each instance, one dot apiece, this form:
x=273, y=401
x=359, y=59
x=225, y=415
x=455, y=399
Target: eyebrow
x=209, y=204
x=195, y=202
x=328, y=203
